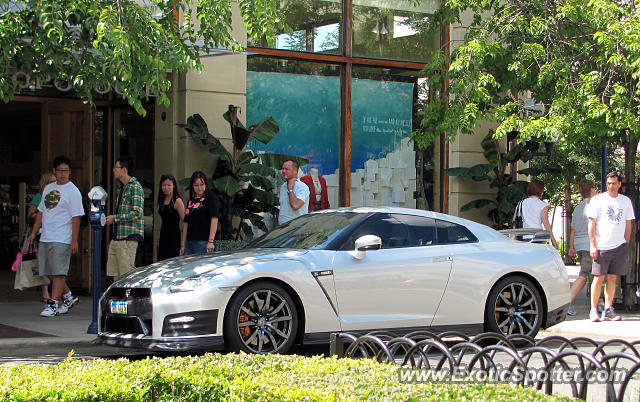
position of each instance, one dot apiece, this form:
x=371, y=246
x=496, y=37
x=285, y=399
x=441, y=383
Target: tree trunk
x=630, y=149
x=566, y=220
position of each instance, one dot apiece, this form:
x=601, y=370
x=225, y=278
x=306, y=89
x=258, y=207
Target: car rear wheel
x=261, y=318
x=514, y=307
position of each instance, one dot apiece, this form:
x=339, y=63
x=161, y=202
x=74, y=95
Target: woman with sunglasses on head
x=32, y=211
x=171, y=210
x=200, y=217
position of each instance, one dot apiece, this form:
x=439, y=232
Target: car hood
x=166, y=272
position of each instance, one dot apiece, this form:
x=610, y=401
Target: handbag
x=517, y=221
x=26, y=266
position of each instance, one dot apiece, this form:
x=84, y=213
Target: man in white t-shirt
x=610, y=223
x=59, y=215
x=294, y=194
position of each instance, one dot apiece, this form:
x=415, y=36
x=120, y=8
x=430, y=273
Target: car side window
x=421, y=231
x=451, y=233
x=392, y=233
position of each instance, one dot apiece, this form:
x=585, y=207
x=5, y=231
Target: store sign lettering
x=25, y=82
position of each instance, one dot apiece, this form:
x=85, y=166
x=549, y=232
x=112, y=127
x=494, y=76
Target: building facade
x=345, y=87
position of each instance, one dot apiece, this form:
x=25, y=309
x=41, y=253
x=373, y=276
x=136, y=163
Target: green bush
x=233, y=377
x=229, y=245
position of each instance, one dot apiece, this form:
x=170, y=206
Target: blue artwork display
x=307, y=109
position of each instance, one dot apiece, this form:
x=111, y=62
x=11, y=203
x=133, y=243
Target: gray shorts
x=53, y=258
x=612, y=262
x=585, y=263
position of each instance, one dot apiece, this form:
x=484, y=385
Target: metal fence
x=423, y=356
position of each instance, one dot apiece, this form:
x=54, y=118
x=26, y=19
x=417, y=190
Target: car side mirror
x=366, y=243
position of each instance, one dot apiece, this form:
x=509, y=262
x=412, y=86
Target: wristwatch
x=289, y=191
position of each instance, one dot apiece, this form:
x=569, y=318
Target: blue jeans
x=195, y=247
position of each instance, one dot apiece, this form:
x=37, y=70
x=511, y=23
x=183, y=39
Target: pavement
x=22, y=327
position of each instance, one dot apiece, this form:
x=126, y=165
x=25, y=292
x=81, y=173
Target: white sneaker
x=594, y=316
x=610, y=315
x=51, y=309
x=67, y=304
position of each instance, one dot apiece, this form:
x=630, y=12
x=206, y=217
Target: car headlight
x=192, y=283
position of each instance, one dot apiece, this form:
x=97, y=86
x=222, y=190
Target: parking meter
x=97, y=218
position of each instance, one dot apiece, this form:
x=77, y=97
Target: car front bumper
x=203, y=343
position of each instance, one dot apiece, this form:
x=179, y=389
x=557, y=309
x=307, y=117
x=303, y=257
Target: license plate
x=118, y=307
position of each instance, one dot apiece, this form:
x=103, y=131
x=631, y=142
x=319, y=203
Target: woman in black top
x=171, y=210
x=200, y=217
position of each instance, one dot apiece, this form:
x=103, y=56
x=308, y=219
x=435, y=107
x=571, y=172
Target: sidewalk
x=580, y=325
x=22, y=326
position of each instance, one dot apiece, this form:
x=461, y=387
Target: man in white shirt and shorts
x=610, y=223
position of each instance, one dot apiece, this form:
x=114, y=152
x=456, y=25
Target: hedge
x=233, y=377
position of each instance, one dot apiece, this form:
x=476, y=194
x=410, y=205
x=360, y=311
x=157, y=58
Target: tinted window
x=314, y=231
x=392, y=232
x=453, y=233
x=421, y=231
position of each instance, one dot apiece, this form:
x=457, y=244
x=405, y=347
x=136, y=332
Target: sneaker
x=51, y=309
x=67, y=303
x=610, y=315
x=594, y=316
x=571, y=310
x=600, y=307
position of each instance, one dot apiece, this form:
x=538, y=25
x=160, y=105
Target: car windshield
x=313, y=232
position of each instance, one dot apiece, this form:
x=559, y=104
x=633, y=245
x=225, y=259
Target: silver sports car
x=348, y=269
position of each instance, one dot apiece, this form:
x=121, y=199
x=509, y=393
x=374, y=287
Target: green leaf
x=227, y=185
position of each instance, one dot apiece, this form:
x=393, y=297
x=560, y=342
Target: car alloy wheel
x=514, y=307
x=262, y=319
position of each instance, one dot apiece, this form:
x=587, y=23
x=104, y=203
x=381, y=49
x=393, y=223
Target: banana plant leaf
x=263, y=131
x=259, y=181
x=255, y=168
x=227, y=185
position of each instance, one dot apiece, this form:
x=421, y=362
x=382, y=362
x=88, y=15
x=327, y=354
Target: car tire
x=514, y=306
x=261, y=318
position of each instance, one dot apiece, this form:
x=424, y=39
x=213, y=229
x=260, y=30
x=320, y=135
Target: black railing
x=493, y=357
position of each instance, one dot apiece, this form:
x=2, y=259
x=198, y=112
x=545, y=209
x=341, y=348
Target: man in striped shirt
x=128, y=220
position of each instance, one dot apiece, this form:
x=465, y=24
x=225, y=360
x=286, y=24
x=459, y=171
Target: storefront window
x=304, y=99
x=315, y=24
x=384, y=110
x=393, y=30
x=134, y=136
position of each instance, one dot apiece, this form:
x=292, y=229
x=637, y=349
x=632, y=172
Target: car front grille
x=138, y=318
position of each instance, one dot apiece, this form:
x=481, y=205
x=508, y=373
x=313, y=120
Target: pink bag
x=18, y=261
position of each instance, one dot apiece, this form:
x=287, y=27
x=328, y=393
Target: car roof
x=482, y=232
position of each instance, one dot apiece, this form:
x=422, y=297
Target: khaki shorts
x=53, y=259
x=121, y=257
x=586, y=263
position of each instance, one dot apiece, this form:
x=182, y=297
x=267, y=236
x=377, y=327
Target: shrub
x=233, y=377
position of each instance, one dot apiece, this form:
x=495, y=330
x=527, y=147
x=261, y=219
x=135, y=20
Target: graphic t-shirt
x=198, y=213
x=611, y=214
x=59, y=204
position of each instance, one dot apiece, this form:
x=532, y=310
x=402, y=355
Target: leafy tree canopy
x=124, y=44
x=576, y=61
